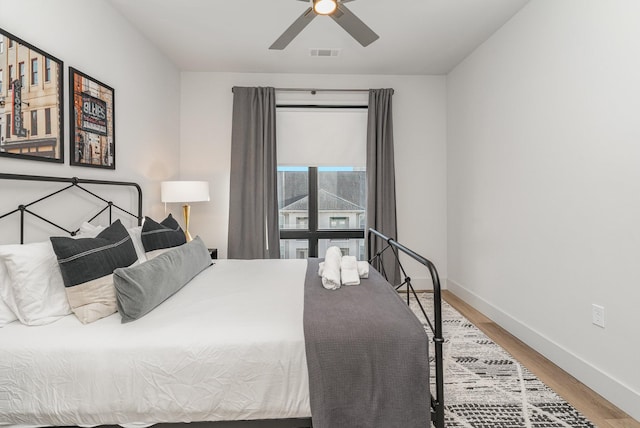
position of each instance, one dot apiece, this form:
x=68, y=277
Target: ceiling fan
x=336, y=10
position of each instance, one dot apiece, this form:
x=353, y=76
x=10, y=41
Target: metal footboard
x=437, y=398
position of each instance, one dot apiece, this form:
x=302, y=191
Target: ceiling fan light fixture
x=324, y=7
x=337, y=11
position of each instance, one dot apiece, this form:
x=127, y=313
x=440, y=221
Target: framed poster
x=31, y=112
x=92, y=137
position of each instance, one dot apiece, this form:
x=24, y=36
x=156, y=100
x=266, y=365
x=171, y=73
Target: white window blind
x=321, y=136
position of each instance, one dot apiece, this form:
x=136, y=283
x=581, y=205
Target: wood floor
x=598, y=410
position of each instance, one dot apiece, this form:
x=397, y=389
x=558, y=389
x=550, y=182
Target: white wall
x=544, y=186
x=420, y=137
x=541, y=160
x=95, y=39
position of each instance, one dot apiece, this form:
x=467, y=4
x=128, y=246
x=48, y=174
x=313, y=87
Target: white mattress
x=228, y=346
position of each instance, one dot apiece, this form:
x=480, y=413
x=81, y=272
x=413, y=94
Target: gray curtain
x=253, y=203
x=381, y=182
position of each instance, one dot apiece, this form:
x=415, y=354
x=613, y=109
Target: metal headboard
x=73, y=182
x=437, y=399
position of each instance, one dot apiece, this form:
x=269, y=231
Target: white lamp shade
x=184, y=191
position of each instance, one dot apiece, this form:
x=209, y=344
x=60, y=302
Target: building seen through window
x=321, y=207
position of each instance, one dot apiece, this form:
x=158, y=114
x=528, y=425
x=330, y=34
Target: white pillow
x=36, y=291
x=87, y=230
x=136, y=237
x=6, y=314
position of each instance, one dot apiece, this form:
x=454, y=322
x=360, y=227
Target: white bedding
x=228, y=346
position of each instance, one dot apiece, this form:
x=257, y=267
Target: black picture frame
x=92, y=138
x=31, y=101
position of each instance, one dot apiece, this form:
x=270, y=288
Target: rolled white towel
x=363, y=269
x=331, y=271
x=349, y=271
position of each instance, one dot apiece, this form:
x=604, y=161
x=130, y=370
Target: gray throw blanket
x=367, y=356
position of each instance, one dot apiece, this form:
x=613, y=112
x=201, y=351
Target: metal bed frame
x=437, y=398
x=73, y=182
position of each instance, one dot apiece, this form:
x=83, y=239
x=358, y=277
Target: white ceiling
x=420, y=37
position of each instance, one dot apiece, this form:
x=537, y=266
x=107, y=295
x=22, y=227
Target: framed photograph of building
x=91, y=122
x=31, y=112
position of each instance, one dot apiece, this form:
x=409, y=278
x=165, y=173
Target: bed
x=243, y=340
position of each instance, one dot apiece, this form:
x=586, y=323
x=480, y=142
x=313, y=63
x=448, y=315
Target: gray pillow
x=141, y=288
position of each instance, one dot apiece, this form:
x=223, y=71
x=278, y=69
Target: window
x=1, y=44
x=10, y=86
x=339, y=222
x=8, y=130
x=47, y=120
x=21, y=73
x=10, y=43
x=47, y=70
x=1, y=87
x=34, y=122
x=293, y=193
x=321, y=175
x=316, y=206
x=34, y=71
x=294, y=248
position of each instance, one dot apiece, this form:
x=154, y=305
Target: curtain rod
x=314, y=90
x=329, y=106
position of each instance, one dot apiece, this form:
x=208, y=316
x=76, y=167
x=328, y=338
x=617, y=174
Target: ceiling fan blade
x=354, y=26
x=293, y=30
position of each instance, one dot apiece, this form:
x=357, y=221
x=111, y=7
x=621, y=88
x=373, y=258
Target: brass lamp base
x=186, y=211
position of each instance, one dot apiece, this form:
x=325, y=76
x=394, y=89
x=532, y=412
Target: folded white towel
x=363, y=269
x=349, y=271
x=331, y=271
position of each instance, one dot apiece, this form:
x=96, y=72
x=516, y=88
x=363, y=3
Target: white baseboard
x=610, y=388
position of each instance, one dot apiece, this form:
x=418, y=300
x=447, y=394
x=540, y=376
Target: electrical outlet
x=598, y=315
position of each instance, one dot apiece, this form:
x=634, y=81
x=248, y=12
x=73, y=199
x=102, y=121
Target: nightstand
x=214, y=253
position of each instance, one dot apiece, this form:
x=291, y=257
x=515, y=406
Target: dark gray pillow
x=141, y=288
x=166, y=234
x=84, y=259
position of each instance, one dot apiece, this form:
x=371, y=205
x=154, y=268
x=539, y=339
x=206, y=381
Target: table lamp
x=184, y=192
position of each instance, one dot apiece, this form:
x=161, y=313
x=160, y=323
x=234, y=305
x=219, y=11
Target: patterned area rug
x=485, y=387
